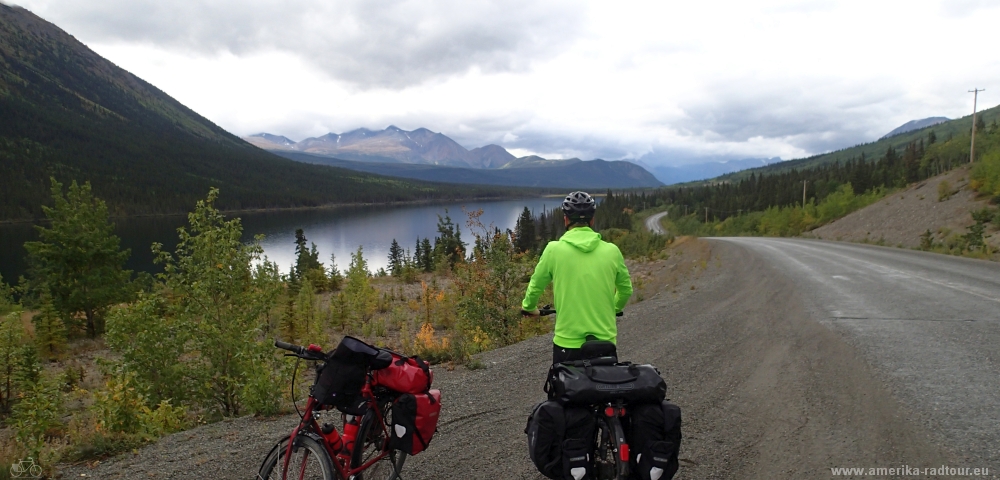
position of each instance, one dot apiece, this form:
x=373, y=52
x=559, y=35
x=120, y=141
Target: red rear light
x=314, y=348
x=609, y=411
x=623, y=452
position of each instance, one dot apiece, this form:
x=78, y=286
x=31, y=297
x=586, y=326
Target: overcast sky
x=666, y=82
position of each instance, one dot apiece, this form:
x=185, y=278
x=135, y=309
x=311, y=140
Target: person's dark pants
x=560, y=354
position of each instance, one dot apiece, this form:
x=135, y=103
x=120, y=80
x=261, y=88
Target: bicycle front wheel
x=371, y=441
x=608, y=464
x=308, y=461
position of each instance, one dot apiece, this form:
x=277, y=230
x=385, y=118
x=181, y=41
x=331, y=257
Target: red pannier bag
x=414, y=421
x=405, y=375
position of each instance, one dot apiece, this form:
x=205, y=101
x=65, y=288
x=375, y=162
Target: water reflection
x=334, y=231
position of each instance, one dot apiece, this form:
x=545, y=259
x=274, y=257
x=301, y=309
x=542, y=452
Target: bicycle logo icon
x=29, y=467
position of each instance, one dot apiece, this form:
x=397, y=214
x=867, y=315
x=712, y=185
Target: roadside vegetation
x=772, y=205
x=97, y=360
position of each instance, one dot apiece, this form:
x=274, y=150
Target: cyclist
x=591, y=281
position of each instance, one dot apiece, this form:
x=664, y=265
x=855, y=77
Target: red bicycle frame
x=341, y=460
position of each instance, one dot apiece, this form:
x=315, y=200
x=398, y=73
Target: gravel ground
x=767, y=392
x=902, y=217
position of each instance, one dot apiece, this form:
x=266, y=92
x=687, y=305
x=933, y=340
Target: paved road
x=653, y=223
x=928, y=323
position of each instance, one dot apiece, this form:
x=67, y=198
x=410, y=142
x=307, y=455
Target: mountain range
x=69, y=114
x=564, y=174
x=670, y=175
x=392, y=145
x=425, y=155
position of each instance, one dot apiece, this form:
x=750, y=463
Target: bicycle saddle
x=594, y=349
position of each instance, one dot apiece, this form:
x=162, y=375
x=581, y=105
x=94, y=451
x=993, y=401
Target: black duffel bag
x=583, y=383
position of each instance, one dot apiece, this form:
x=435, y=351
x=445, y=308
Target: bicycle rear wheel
x=309, y=460
x=608, y=464
x=371, y=439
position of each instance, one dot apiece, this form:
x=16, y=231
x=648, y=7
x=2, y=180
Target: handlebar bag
x=405, y=375
x=655, y=436
x=340, y=380
x=353, y=350
x=414, y=421
x=586, y=384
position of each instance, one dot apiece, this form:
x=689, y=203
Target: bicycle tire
x=371, y=438
x=318, y=464
x=609, y=437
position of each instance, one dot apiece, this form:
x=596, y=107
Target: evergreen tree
x=524, y=232
x=336, y=277
x=50, y=332
x=307, y=264
x=395, y=258
x=449, y=244
x=360, y=296
x=11, y=343
x=300, y=323
x=543, y=231
x=427, y=255
x=78, y=259
x=6, y=297
x=417, y=257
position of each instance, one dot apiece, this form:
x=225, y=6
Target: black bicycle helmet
x=579, y=206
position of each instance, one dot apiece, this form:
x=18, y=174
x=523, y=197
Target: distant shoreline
x=328, y=206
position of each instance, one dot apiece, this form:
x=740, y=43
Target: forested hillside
x=874, y=150
x=70, y=114
x=772, y=204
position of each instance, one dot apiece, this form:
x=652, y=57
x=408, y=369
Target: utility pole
x=975, y=97
x=804, y=194
x=706, y=214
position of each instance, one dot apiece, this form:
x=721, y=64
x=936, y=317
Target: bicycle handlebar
x=300, y=351
x=288, y=346
x=548, y=310
x=542, y=311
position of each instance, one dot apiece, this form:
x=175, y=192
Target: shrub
x=986, y=173
x=944, y=191
x=216, y=297
x=431, y=347
x=38, y=413
x=490, y=286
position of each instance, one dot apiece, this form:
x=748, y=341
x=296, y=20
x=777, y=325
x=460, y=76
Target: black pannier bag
x=561, y=439
x=655, y=440
x=580, y=383
x=343, y=374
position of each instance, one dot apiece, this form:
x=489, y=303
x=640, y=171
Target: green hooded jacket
x=590, y=282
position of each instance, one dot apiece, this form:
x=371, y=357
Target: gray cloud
x=367, y=43
x=814, y=115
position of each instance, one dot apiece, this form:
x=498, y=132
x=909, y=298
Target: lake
x=338, y=231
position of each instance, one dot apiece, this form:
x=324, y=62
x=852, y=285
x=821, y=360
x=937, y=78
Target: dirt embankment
x=767, y=392
x=899, y=219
